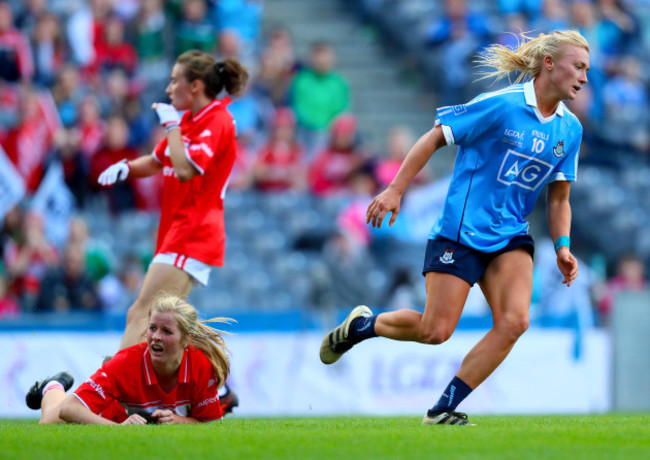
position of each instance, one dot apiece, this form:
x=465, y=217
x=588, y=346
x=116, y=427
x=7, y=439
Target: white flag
x=55, y=203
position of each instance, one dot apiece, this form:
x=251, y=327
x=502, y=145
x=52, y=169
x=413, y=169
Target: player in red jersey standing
x=196, y=158
x=171, y=378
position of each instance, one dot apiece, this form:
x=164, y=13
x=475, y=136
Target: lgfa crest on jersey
x=558, y=150
x=447, y=257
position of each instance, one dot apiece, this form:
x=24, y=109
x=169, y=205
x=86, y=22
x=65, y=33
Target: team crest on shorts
x=447, y=257
x=558, y=150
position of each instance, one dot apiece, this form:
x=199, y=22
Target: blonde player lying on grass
x=173, y=377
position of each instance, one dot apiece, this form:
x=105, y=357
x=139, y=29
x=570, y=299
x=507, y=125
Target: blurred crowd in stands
x=77, y=80
x=446, y=35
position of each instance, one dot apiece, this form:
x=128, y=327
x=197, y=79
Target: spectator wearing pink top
x=398, y=143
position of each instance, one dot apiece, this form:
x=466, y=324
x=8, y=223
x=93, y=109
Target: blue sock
x=362, y=328
x=456, y=391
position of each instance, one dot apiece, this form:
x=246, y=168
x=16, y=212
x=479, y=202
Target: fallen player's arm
x=74, y=411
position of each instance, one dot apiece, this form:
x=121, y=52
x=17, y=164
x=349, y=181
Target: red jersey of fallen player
x=127, y=382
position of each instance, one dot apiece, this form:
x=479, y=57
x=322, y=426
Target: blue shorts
x=443, y=255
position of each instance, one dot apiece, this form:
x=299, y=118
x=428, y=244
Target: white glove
x=168, y=115
x=115, y=172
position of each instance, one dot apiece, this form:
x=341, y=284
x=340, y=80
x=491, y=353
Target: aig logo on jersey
x=523, y=171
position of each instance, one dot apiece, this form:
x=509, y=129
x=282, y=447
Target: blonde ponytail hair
x=202, y=336
x=528, y=58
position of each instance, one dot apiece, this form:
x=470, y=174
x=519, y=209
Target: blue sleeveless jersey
x=507, y=152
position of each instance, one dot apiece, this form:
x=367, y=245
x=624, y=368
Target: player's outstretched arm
x=141, y=167
x=558, y=215
x=116, y=172
x=389, y=200
x=145, y=166
x=73, y=411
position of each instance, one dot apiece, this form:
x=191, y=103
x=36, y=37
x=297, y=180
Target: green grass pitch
x=511, y=437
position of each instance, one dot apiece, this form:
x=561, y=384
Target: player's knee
x=62, y=413
x=137, y=311
x=66, y=412
x=435, y=335
x=514, y=325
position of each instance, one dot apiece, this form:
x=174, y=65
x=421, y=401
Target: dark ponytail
x=233, y=75
x=228, y=74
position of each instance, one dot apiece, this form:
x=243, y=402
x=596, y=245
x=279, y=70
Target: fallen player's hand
x=134, y=419
x=163, y=416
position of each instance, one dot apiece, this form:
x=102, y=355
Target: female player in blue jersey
x=511, y=143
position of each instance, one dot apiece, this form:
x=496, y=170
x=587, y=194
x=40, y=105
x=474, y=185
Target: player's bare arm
x=182, y=166
x=73, y=411
x=170, y=119
x=144, y=166
x=558, y=215
x=389, y=200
